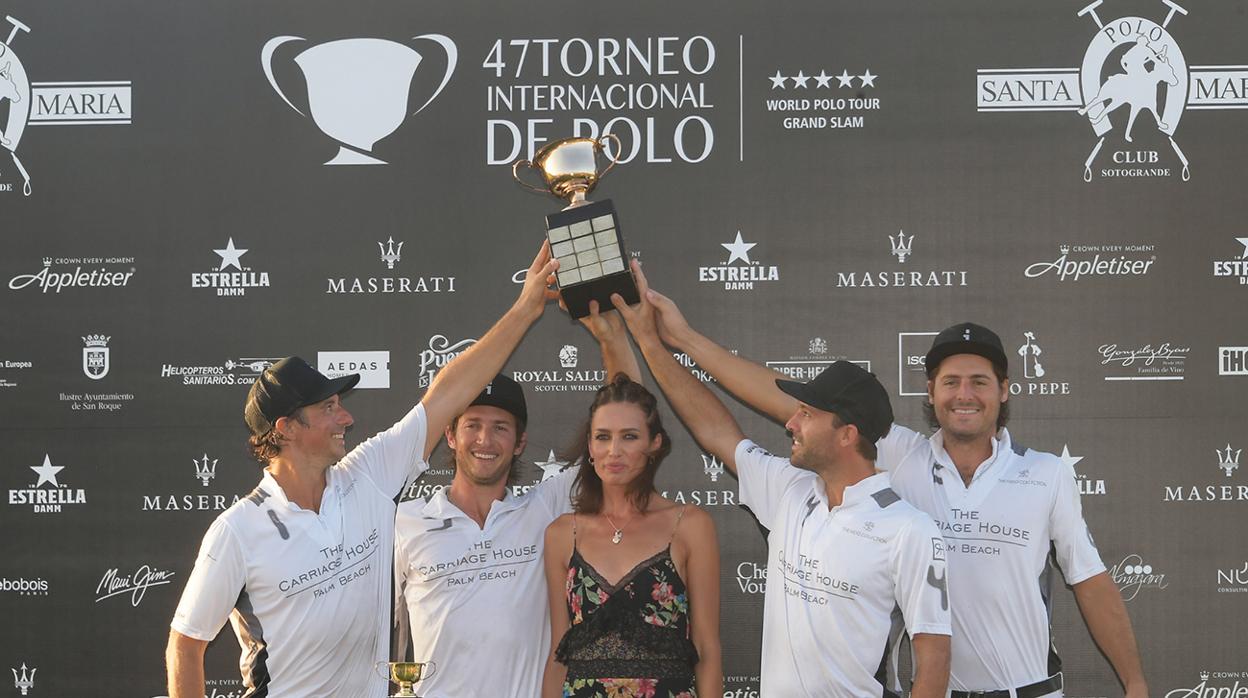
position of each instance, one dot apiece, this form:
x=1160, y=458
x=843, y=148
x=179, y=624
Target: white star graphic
x=230, y=256
x=800, y=79
x=777, y=81
x=845, y=79
x=550, y=467
x=738, y=249
x=1244, y=242
x=47, y=472
x=822, y=79
x=868, y=80
x=1069, y=459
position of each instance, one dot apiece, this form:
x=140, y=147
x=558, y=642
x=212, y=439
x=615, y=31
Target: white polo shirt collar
x=1000, y=445
x=440, y=506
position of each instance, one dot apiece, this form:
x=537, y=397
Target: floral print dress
x=630, y=640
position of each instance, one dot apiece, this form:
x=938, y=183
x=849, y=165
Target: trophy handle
x=432, y=669
x=266, y=61
x=619, y=147
x=515, y=173
x=452, y=56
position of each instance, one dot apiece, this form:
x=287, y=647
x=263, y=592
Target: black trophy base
x=593, y=263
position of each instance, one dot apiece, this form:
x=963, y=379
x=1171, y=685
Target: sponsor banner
x=901, y=274
x=1233, y=361
x=1235, y=268
x=567, y=377
x=57, y=275
x=24, y=586
x=823, y=101
x=1220, y=489
x=440, y=352
x=1164, y=361
x=373, y=366
x=391, y=254
x=1133, y=575
x=243, y=371
x=230, y=283
x=47, y=494
x=912, y=348
x=1077, y=262
x=131, y=586
x=1233, y=579
x=205, y=472
x=739, y=272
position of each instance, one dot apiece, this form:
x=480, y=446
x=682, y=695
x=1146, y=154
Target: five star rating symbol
x=779, y=81
x=230, y=256
x=738, y=249
x=47, y=472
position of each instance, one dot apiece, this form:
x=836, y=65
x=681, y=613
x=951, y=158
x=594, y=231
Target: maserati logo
x=26, y=681
x=390, y=253
x=205, y=469
x=1228, y=460
x=901, y=245
x=712, y=466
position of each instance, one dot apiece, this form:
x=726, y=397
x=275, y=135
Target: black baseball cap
x=852, y=392
x=505, y=394
x=285, y=387
x=966, y=338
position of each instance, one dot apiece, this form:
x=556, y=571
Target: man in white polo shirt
x=844, y=549
x=300, y=566
x=999, y=505
x=468, y=559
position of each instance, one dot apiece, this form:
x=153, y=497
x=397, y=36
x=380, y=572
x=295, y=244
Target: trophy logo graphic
x=1228, y=460
x=358, y=89
x=901, y=245
x=95, y=356
x=14, y=89
x=205, y=469
x=712, y=467
x=26, y=681
x=389, y=253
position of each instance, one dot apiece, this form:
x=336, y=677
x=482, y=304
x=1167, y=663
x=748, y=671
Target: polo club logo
x=14, y=89
x=358, y=89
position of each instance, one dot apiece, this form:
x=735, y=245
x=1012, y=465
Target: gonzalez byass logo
x=73, y=103
x=358, y=89
x=1130, y=62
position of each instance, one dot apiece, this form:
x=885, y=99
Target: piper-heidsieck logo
x=359, y=90
x=373, y=366
x=133, y=586
x=567, y=377
x=812, y=102
x=440, y=353
x=1075, y=262
x=1164, y=361
x=1131, y=62
x=1088, y=485
x=391, y=255
x=1132, y=575
x=901, y=247
x=47, y=495
x=654, y=93
x=804, y=367
x=192, y=498
x=233, y=371
x=1217, y=489
x=1234, y=268
x=1215, y=684
x=230, y=283
x=66, y=103
x=739, y=272
x=55, y=276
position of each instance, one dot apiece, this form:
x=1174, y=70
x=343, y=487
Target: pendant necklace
x=619, y=532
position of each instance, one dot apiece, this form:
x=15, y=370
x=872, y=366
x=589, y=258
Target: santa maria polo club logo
x=359, y=90
x=901, y=273
x=65, y=103
x=230, y=283
x=200, y=472
x=390, y=254
x=1131, y=62
x=740, y=272
x=47, y=494
x=60, y=274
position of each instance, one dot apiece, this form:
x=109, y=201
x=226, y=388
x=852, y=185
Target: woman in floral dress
x=633, y=577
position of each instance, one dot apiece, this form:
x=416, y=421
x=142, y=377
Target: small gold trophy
x=584, y=236
x=405, y=675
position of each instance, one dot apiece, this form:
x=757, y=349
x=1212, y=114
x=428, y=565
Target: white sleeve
x=1072, y=541
x=394, y=456
x=213, y=587
x=555, y=495
x=892, y=449
x=921, y=578
x=763, y=479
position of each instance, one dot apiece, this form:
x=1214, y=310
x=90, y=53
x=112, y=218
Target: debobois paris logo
x=1130, y=62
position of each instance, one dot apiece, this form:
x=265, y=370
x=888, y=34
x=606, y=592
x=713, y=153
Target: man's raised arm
x=463, y=379
x=707, y=418
x=751, y=382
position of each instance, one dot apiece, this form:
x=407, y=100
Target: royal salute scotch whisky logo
x=65, y=103
x=1131, y=62
x=358, y=90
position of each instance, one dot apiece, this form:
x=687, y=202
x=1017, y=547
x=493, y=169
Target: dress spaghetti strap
x=680, y=515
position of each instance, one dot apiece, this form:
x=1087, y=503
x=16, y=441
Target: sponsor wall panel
x=184, y=202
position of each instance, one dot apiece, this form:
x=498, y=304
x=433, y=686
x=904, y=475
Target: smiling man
x=301, y=566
